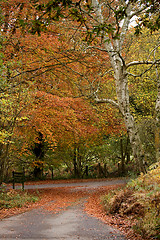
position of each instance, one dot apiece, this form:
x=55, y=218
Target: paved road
x=85, y=185
x=71, y=224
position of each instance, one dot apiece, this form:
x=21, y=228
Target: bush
x=15, y=198
x=141, y=200
x=150, y=224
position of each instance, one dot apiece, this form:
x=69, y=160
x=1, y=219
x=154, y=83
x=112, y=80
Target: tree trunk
x=123, y=102
x=122, y=157
x=157, y=142
x=4, y=150
x=157, y=108
x=86, y=171
x=127, y=151
x=99, y=170
x=75, y=162
x=38, y=150
x=105, y=170
x=79, y=162
x=114, y=49
x=38, y=172
x=1, y=171
x=52, y=173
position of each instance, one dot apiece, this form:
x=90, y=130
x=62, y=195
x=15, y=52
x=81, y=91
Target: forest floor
x=77, y=201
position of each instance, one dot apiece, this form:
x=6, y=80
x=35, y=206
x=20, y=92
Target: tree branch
x=105, y=100
x=139, y=11
x=142, y=63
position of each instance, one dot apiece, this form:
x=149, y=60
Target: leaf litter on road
x=58, y=199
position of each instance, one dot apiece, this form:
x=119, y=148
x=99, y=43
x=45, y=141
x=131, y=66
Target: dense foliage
x=140, y=200
x=62, y=58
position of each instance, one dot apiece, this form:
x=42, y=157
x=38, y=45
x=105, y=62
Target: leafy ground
x=138, y=202
x=62, y=197
x=59, y=199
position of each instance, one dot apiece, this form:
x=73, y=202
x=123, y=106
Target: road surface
x=71, y=224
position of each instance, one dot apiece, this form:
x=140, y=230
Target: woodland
x=79, y=88
x=80, y=98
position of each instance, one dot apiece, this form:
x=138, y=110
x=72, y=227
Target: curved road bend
x=71, y=224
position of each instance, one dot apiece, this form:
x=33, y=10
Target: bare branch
x=125, y=25
x=136, y=13
x=142, y=63
x=105, y=100
x=97, y=48
x=140, y=75
x=153, y=51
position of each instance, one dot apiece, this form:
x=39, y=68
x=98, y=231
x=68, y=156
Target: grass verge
x=15, y=198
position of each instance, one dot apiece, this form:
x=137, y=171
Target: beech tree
x=107, y=24
x=104, y=26
x=45, y=65
x=143, y=93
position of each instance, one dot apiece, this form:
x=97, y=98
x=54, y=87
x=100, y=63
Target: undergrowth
x=140, y=200
x=15, y=198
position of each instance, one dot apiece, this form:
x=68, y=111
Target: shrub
x=141, y=200
x=15, y=198
x=150, y=224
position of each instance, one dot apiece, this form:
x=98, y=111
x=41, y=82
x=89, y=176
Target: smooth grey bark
x=114, y=49
x=121, y=81
x=157, y=108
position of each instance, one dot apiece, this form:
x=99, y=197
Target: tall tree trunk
x=157, y=108
x=121, y=81
x=79, y=162
x=127, y=151
x=4, y=150
x=114, y=48
x=122, y=157
x=75, y=161
x=122, y=93
x=38, y=150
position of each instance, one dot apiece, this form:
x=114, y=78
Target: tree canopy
x=61, y=58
